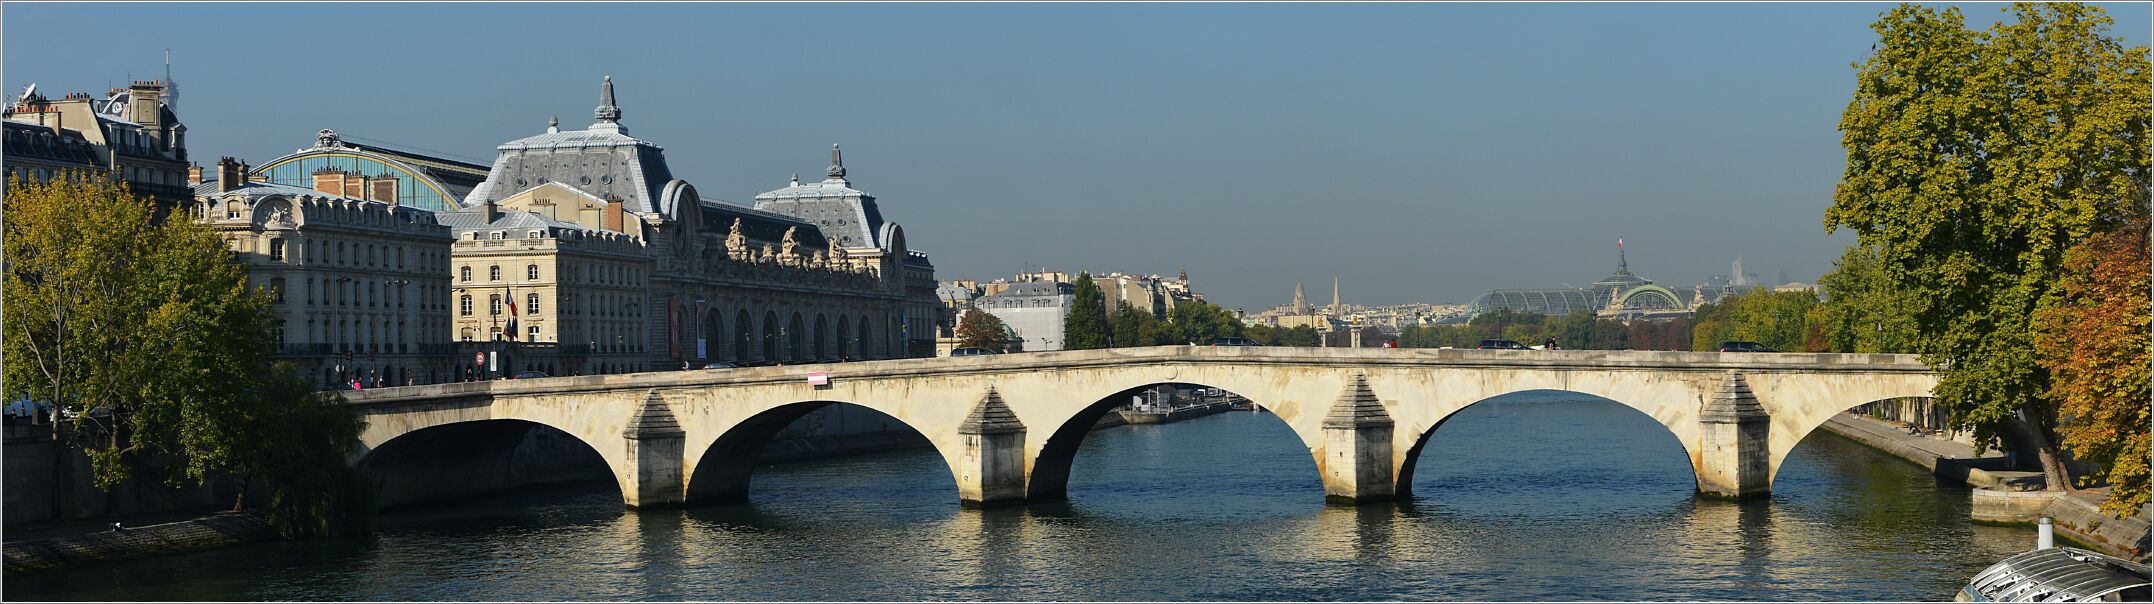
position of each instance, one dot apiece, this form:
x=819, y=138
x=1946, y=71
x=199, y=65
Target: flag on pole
x=512, y=314
x=1619, y=243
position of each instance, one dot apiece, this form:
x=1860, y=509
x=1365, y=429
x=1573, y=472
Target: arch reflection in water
x=1262, y=450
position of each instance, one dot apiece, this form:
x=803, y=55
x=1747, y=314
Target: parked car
x=1234, y=342
x=525, y=375
x=971, y=351
x=1740, y=346
x=1502, y=345
x=721, y=365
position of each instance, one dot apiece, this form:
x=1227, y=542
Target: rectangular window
x=534, y=334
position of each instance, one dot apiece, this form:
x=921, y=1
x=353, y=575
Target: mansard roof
x=760, y=226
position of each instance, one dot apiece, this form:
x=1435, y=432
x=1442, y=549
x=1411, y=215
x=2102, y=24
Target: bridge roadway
x=1009, y=425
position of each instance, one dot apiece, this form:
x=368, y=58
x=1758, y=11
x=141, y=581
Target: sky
x=1414, y=152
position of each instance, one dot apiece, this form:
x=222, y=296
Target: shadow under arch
x=1404, y=487
x=723, y=471
x=1049, y=480
x=464, y=459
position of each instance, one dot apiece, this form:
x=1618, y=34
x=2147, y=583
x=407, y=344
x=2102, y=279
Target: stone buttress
x=1734, y=454
x=991, y=462
x=1357, y=462
x=654, y=462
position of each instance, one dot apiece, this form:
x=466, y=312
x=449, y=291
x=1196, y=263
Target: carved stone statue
x=280, y=217
x=768, y=256
x=817, y=261
x=838, y=255
x=736, y=244
x=790, y=245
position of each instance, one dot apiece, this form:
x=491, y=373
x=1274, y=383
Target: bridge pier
x=1734, y=455
x=990, y=468
x=654, y=459
x=1357, y=462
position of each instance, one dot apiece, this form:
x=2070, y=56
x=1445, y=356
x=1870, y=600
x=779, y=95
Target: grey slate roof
x=465, y=222
x=596, y=162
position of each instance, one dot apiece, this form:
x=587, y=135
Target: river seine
x=1536, y=496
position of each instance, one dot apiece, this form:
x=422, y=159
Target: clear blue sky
x=1416, y=152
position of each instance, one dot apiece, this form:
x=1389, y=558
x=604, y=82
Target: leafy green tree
x=1086, y=325
x=1780, y=320
x=1862, y=311
x=1132, y=327
x=2094, y=342
x=1197, y=322
x=982, y=329
x=1974, y=160
x=146, y=338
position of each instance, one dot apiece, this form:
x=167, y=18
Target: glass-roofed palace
x=376, y=173
x=1622, y=295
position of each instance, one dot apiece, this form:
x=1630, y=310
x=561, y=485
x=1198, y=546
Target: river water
x=1536, y=496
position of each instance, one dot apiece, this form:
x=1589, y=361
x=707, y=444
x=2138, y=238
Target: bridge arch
x=1409, y=461
x=1431, y=398
x=719, y=471
x=1800, y=405
x=462, y=458
x=1057, y=452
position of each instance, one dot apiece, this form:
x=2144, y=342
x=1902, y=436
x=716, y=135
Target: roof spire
x=608, y=114
x=1622, y=261
x=837, y=163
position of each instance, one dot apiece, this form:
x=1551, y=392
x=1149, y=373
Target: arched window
x=493, y=273
x=531, y=272
x=464, y=306
x=531, y=305
x=464, y=273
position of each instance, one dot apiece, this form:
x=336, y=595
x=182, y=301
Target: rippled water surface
x=1541, y=496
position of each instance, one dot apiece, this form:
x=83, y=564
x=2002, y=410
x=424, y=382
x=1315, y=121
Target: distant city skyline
x=1418, y=153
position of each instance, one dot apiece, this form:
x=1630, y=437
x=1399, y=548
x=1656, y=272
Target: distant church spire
x=837, y=163
x=171, y=93
x=1301, y=302
x=1334, y=296
x=608, y=114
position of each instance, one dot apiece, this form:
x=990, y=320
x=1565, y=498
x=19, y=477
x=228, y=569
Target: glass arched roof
x=413, y=188
x=1552, y=302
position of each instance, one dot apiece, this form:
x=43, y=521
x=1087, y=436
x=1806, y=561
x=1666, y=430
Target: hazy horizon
x=1418, y=153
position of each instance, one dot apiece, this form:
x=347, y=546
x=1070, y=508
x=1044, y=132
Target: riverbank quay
x=2002, y=496
x=196, y=534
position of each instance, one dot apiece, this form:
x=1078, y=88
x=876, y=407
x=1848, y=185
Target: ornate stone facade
x=705, y=281
x=361, y=286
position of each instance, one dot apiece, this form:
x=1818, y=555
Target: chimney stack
x=383, y=189
x=228, y=174
x=194, y=174
x=491, y=211
x=614, y=216
x=329, y=180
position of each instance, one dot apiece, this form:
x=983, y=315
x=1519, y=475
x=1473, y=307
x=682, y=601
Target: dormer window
x=538, y=234
x=500, y=235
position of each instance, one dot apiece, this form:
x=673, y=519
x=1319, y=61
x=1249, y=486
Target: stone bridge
x=1010, y=425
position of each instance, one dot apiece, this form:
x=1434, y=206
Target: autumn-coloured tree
x=1974, y=160
x=2095, y=345
x=980, y=329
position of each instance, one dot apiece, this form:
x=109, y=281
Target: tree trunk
x=2054, y=474
x=239, y=502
